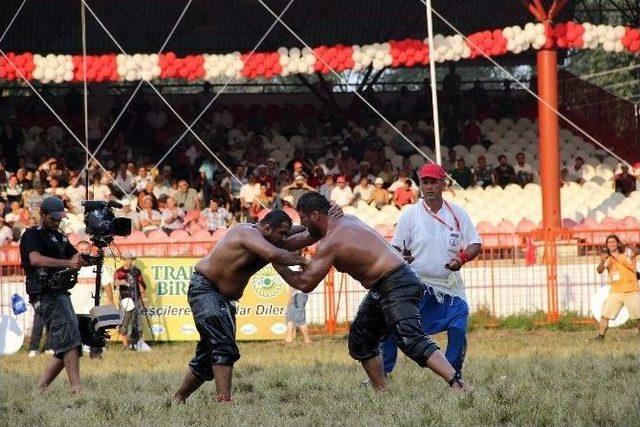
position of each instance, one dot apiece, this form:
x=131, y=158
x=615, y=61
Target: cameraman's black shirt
x=52, y=244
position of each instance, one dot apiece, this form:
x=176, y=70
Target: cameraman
x=620, y=263
x=44, y=251
x=132, y=290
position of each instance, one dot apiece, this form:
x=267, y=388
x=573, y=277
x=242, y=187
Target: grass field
x=519, y=377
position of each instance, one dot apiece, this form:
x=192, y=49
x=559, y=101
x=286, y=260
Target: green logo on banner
x=267, y=284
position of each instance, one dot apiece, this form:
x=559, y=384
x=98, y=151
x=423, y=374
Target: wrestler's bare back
x=230, y=265
x=358, y=250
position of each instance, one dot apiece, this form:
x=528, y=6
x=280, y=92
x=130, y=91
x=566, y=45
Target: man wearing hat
x=132, y=291
x=44, y=251
x=437, y=238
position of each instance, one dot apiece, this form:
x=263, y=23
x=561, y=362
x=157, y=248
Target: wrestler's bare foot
x=461, y=386
x=178, y=399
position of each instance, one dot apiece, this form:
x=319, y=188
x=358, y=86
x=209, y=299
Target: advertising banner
x=260, y=313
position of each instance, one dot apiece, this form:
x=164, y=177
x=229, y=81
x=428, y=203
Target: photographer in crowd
x=47, y=258
x=620, y=263
x=132, y=290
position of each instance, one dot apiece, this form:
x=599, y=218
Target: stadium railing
x=553, y=272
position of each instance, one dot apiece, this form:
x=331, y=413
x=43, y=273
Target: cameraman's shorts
x=60, y=320
x=391, y=307
x=126, y=328
x=215, y=318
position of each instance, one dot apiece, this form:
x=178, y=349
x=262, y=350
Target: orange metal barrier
x=552, y=272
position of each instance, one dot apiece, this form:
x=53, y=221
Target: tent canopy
x=224, y=26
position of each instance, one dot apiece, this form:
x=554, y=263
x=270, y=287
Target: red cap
x=298, y=165
x=432, y=170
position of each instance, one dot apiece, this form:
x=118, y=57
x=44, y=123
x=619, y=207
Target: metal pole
x=83, y=19
x=434, y=87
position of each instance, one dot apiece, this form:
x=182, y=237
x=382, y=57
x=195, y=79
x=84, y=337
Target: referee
x=44, y=251
x=437, y=238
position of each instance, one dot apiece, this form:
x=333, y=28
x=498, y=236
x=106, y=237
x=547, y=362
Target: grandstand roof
x=222, y=26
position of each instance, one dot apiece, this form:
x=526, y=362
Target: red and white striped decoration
x=51, y=68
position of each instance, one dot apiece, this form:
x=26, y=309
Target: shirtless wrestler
x=391, y=306
x=220, y=278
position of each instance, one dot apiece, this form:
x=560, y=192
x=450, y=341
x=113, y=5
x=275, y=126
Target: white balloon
x=294, y=51
x=388, y=60
x=37, y=73
x=49, y=74
x=283, y=50
x=377, y=64
x=307, y=51
x=302, y=67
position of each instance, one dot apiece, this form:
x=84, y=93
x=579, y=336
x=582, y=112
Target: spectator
x=284, y=179
x=142, y=179
x=186, y=198
x=128, y=211
x=172, y=217
x=364, y=191
x=6, y=233
x=148, y=192
x=17, y=219
x=272, y=167
x=387, y=173
x=262, y=200
x=625, y=182
x=504, y=174
x=159, y=187
x=296, y=316
x=404, y=195
x=13, y=190
x=166, y=176
x=298, y=169
x=524, y=171
x=265, y=179
x=149, y=218
x=124, y=181
x=32, y=199
x=575, y=172
x=462, y=174
x=341, y=194
x=216, y=215
x=75, y=193
x=449, y=163
x=328, y=185
x=380, y=195
x=297, y=189
x=216, y=192
x=317, y=179
x=54, y=188
x=363, y=171
x=234, y=184
x=248, y=193
x=347, y=164
x=329, y=166
x=99, y=191
x=483, y=173
x=399, y=183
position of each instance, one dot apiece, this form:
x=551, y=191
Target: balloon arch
x=51, y=68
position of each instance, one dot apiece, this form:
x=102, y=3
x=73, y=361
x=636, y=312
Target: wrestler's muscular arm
x=312, y=274
x=255, y=243
x=299, y=238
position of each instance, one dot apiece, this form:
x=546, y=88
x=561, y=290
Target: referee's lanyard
x=454, y=238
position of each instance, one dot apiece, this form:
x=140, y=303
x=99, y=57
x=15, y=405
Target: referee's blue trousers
x=450, y=315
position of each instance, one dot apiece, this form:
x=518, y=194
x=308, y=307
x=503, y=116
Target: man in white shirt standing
x=437, y=238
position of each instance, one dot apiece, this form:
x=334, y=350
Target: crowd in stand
x=344, y=156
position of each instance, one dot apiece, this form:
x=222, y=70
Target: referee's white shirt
x=429, y=242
